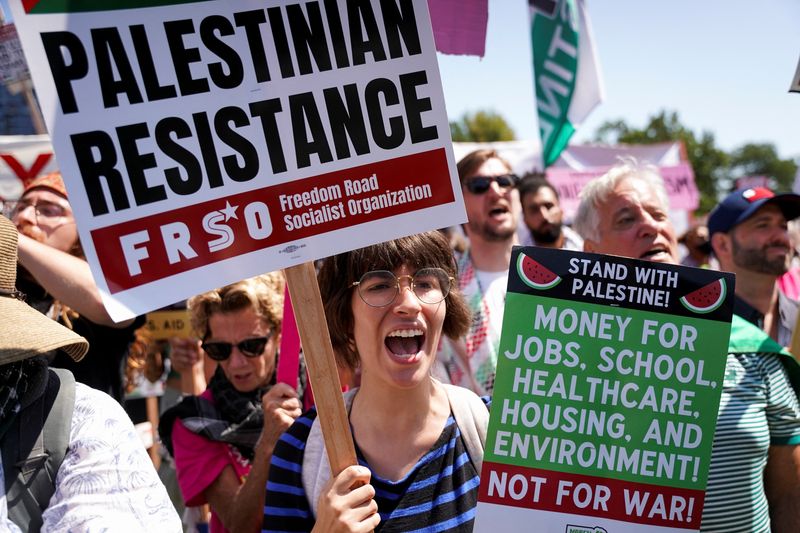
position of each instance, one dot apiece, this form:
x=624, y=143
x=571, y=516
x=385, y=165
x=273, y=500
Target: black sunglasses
x=252, y=347
x=481, y=184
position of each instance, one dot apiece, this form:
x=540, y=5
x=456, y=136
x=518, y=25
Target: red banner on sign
x=140, y=251
x=613, y=499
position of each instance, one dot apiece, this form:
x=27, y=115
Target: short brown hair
x=338, y=273
x=470, y=163
x=264, y=294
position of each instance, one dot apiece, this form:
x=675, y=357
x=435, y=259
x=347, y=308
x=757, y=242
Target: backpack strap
x=469, y=411
x=34, y=448
x=472, y=419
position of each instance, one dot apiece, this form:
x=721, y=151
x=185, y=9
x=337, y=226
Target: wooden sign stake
x=322, y=370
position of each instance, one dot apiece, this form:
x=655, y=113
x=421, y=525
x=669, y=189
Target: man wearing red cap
x=58, y=281
x=750, y=238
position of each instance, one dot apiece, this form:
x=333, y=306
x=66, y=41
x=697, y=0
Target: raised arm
x=67, y=278
x=240, y=506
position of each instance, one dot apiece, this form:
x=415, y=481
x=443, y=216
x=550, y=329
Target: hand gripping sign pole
x=316, y=341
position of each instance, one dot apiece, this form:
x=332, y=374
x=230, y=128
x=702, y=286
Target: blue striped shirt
x=438, y=495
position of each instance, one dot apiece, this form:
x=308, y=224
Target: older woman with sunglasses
x=418, y=442
x=222, y=440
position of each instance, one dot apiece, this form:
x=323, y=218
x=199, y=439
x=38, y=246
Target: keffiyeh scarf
x=235, y=417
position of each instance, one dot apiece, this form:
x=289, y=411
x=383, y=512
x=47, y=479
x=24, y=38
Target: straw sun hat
x=24, y=331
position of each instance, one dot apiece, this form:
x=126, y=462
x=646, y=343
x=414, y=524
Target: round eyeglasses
x=379, y=288
x=43, y=210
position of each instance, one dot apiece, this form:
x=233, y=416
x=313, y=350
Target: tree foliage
x=715, y=170
x=762, y=160
x=481, y=126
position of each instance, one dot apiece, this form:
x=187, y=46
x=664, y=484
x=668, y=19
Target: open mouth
x=498, y=211
x=405, y=342
x=654, y=252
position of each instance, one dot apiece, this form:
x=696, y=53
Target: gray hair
x=587, y=219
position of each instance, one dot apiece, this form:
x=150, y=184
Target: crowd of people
x=415, y=321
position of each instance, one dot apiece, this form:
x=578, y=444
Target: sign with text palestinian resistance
x=606, y=396
x=203, y=142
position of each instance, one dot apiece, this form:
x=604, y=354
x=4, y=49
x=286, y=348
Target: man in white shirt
x=88, y=471
x=492, y=204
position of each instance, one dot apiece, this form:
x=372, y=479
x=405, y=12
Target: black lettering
x=144, y=55
x=309, y=34
x=337, y=34
x=400, y=21
x=182, y=57
x=210, y=27
x=208, y=151
x=282, y=49
x=304, y=112
x=86, y=145
x=346, y=120
x=136, y=163
x=415, y=106
x=250, y=21
x=56, y=44
x=249, y=167
x=372, y=96
x=109, y=53
x=359, y=12
x=265, y=111
x=164, y=131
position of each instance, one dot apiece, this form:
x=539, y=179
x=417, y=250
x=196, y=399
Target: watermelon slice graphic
x=535, y=274
x=706, y=299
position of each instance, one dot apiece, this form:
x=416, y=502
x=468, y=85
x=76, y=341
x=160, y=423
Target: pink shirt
x=200, y=461
x=789, y=283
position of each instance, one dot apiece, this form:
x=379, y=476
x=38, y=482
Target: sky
x=724, y=65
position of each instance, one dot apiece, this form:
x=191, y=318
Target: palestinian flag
x=565, y=69
x=41, y=7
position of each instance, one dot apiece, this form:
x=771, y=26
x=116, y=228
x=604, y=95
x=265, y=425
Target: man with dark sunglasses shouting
x=492, y=205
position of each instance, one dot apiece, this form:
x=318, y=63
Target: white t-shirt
x=494, y=285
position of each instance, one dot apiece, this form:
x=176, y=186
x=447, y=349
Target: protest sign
x=678, y=181
x=12, y=61
x=162, y=325
x=606, y=395
x=205, y=142
x=22, y=159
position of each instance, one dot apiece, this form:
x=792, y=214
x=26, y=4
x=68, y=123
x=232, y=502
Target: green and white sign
x=606, y=396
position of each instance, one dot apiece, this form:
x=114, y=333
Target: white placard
x=203, y=142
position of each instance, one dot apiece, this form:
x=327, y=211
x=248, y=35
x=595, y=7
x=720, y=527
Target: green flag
x=565, y=69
